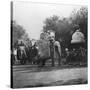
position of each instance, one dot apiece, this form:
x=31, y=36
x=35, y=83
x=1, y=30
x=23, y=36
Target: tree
x=50, y=23
x=64, y=27
x=61, y=27
x=81, y=18
x=17, y=32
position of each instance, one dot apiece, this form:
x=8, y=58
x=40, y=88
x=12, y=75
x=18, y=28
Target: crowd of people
x=22, y=54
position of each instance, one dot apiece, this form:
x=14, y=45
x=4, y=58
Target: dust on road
x=25, y=79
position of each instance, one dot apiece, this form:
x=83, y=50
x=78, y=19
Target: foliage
x=18, y=32
x=81, y=18
x=64, y=27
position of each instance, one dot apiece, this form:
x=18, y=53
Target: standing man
x=15, y=55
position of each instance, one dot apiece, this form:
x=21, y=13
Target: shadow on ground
x=59, y=83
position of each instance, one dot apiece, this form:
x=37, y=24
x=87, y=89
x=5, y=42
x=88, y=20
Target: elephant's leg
x=59, y=61
x=58, y=51
x=43, y=62
x=53, y=64
x=59, y=54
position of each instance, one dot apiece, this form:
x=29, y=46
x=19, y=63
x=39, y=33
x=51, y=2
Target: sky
x=32, y=15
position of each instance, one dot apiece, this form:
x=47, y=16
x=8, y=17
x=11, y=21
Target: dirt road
x=45, y=78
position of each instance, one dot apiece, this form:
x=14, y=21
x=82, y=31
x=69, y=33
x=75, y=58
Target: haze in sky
x=32, y=15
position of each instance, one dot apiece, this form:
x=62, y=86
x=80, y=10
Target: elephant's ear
x=57, y=43
x=43, y=48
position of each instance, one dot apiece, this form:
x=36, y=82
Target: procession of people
x=34, y=53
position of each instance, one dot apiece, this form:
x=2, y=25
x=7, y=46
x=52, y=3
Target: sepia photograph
x=49, y=44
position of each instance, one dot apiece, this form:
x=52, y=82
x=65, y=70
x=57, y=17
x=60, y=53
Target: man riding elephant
x=47, y=49
x=55, y=47
x=78, y=45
